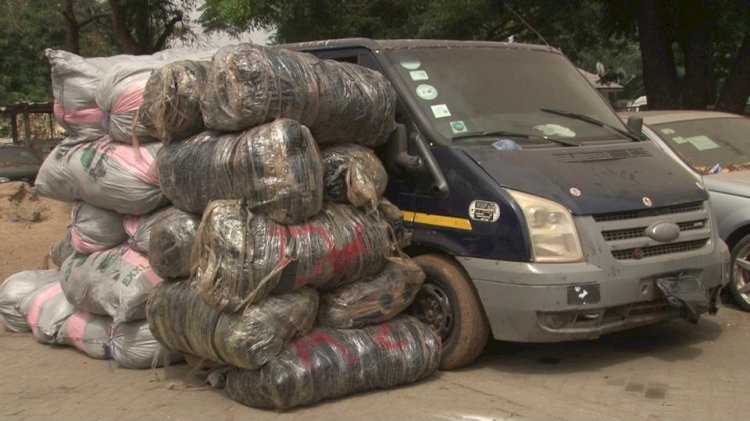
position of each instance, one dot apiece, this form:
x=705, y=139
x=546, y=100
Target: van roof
x=398, y=44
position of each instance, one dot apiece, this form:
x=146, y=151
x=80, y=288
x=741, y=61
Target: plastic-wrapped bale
x=95, y=229
x=16, y=293
x=61, y=249
x=182, y=321
x=120, y=94
x=134, y=346
x=372, y=300
x=328, y=363
x=47, y=311
x=138, y=228
x=172, y=237
x=340, y=102
x=89, y=333
x=353, y=174
x=275, y=168
x=395, y=218
x=240, y=258
x=103, y=173
x=115, y=282
x=171, y=103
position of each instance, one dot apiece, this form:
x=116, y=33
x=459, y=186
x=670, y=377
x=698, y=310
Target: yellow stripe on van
x=437, y=220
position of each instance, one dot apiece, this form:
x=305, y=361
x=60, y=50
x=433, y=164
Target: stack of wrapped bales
x=293, y=276
x=254, y=235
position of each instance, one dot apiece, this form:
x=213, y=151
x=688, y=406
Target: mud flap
x=686, y=294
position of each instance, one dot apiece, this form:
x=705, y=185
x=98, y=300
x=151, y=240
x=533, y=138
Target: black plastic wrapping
x=395, y=218
x=171, y=103
x=328, y=363
x=182, y=321
x=138, y=228
x=61, y=249
x=171, y=242
x=276, y=168
x=353, y=174
x=240, y=258
x=686, y=294
x=340, y=102
x=372, y=300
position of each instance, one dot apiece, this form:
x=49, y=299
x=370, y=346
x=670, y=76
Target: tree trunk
x=697, y=85
x=120, y=30
x=736, y=88
x=72, y=28
x=659, y=71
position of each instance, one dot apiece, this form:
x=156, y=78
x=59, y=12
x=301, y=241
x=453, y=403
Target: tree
x=688, y=49
x=145, y=26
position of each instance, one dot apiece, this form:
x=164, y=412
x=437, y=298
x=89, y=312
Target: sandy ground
x=23, y=243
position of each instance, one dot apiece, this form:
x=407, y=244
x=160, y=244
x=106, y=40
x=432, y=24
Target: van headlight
x=553, y=234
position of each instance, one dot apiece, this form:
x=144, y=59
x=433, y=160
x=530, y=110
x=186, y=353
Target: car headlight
x=553, y=234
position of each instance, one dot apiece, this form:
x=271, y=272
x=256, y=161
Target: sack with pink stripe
x=95, y=229
x=47, y=312
x=119, y=95
x=16, y=294
x=103, y=173
x=88, y=333
x=115, y=282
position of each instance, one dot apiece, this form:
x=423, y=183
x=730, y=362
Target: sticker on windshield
x=484, y=211
x=427, y=92
x=667, y=131
x=418, y=75
x=554, y=130
x=702, y=143
x=679, y=140
x=458, y=126
x=410, y=64
x=440, y=111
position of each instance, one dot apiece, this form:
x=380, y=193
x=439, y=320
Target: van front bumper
x=537, y=302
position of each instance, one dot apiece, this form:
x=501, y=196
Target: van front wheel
x=739, y=277
x=450, y=306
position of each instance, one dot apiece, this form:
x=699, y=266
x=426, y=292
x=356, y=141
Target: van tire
x=739, y=276
x=469, y=330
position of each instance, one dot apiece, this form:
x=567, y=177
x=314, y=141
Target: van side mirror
x=635, y=124
x=399, y=161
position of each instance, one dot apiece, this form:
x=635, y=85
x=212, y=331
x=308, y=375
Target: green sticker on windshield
x=702, y=143
x=427, y=92
x=410, y=64
x=418, y=75
x=440, y=111
x=458, y=126
x=667, y=131
x=679, y=140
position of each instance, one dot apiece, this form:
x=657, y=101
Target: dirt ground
x=672, y=371
x=28, y=226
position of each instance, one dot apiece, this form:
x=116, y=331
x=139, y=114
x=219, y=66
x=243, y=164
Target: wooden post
x=14, y=126
x=26, y=125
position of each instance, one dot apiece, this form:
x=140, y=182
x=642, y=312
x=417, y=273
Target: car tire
x=450, y=306
x=739, y=274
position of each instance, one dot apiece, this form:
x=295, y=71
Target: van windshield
x=482, y=95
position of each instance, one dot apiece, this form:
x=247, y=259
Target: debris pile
x=253, y=238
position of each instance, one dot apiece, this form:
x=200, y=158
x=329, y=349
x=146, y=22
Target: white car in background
x=716, y=147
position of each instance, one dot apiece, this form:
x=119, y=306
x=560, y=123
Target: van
x=537, y=215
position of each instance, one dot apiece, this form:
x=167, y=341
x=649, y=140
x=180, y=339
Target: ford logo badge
x=663, y=232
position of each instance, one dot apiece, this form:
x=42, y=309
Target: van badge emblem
x=575, y=192
x=647, y=202
x=663, y=232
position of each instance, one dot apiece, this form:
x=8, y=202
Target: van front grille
x=644, y=252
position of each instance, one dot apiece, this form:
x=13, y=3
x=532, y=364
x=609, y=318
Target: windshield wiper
x=494, y=133
x=592, y=120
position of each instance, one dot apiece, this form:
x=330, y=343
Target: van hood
x=735, y=183
x=593, y=179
